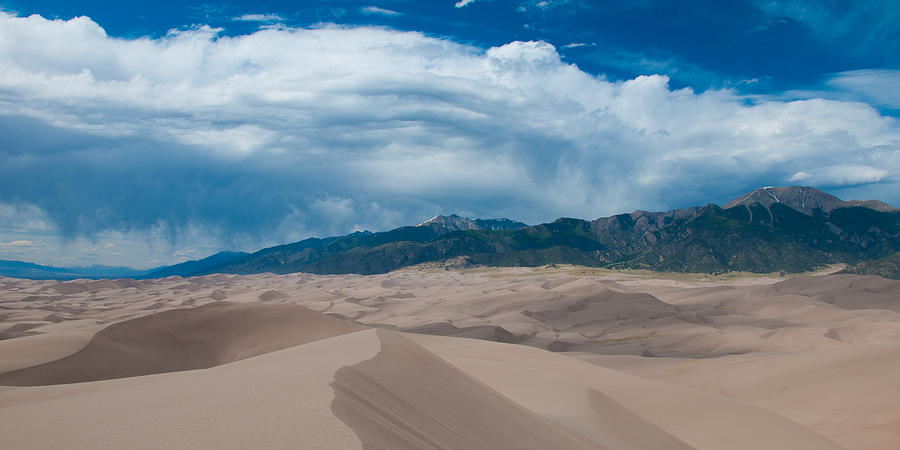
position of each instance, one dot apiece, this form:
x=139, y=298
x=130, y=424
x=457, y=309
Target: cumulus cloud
x=463, y=3
x=287, y=133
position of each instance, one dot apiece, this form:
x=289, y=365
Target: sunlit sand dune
x=596, y=360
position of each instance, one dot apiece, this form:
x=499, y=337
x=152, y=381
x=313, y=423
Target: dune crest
x=408, y=398
x=184, y=339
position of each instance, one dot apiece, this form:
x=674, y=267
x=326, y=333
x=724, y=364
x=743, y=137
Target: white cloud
x=843, y=175
x=463, y=3
x=20, y=243
x=799, y=176
x=879, y=87
x=377, y=10
x=258, y=18
x=286, y=133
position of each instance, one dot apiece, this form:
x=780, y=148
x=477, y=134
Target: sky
x=149, y=133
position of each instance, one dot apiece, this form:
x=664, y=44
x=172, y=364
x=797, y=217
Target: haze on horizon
x=147, y=135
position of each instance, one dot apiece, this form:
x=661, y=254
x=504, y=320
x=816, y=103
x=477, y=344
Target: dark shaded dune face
x=272, y=295
x=185, y=339
x=846, y=291
x=604, y=307
x=72, y=287
x=484, y=332
x=19, y=330
x=408, y=398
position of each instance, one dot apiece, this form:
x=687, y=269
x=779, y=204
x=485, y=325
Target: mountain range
x=20, y=269
x=770, y=229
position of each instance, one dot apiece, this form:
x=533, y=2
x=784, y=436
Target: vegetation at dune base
x=888, y=267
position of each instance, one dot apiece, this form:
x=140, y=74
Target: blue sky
x=149, y=133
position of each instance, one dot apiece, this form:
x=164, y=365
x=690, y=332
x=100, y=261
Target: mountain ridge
x=455, y=222
x=23, y=269
x=769, y=235
x=194, y=266
x=804, y=199
x=769, y=229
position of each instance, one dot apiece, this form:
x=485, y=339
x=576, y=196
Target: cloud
x=197, y=141
x=258, y=18
x=380, y=11
x=844, y=175
x=463, y=3
x=879, y=87
x=22, y=243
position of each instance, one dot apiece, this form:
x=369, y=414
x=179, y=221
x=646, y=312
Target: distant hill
x=20, y=269
x=766, y=230
x=189, y=268
x=334, y=254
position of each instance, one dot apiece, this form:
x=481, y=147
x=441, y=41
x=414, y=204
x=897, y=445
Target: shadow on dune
x=185, y=339
x=408, y=398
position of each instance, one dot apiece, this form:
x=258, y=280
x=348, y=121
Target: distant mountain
x=193, y=267
x=803, y=199
x=453, y=222
x=329, y=255
x=766, y=230
x=20, y=269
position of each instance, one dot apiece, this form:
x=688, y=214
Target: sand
x=500, y=358
x=408, y=398
x=184, y=339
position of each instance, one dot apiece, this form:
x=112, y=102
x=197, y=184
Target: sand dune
x=184, y=339
x=756, y=362
x=403, y=396
x=585, y=396
x=407, y=398
x=276, y=400
x=847, y=394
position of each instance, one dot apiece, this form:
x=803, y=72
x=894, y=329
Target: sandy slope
x=758, y=362
x=847, y=394
x=277, y=400
x=408, y=398
x=184, y=339
x=591, y=399
x=391, y=392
